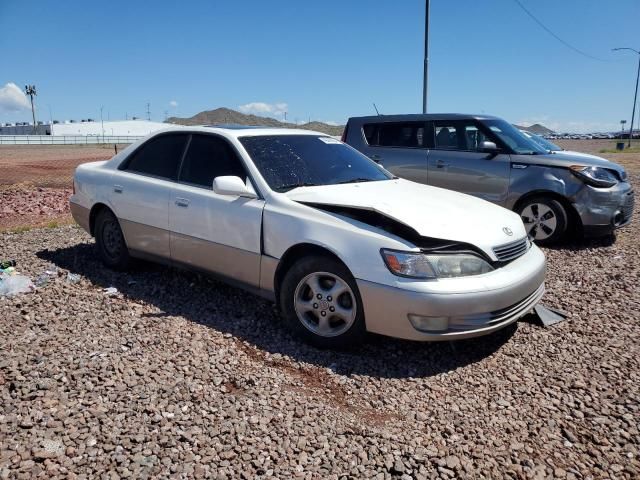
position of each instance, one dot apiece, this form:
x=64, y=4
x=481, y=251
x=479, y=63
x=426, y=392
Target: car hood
x=566, y=159
x=432, y=212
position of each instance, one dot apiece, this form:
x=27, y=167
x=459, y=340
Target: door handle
x=182, y=202
x=118, y=188
x=441, y=164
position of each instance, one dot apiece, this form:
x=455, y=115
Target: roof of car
x=422, y=116
x=241, y=130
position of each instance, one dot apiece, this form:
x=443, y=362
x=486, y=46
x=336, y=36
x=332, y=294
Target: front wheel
x=320, y=302
x=545, y=219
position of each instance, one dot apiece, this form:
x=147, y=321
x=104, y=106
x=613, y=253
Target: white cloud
x=261, y=108
x=173, y=104
x=13, y=99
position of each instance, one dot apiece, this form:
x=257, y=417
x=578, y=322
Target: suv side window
x=458, y=135
x=209, y=157
x=400, y=134
x=159, y=157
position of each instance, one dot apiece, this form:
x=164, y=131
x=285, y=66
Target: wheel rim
x=539, y=220
x=325, y=304
x=112, y=240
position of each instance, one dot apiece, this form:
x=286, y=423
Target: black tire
x=545, y=219
x=341, y=318
x=110, y=242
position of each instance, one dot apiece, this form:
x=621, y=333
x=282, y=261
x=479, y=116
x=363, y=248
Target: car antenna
x=374, y=106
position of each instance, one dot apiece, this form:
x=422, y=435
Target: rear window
x=159, y=157
x=399, y=134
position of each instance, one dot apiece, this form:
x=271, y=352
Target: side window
x=473, y=137
x=405, y=134
x=446, y=136
x=159, y=157
x=209, y=157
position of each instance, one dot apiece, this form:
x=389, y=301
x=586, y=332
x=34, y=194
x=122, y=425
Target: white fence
x=65, y=139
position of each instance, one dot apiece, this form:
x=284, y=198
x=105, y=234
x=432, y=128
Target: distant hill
x=229, y=116
x=537, y=128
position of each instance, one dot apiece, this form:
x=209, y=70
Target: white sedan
x=341, y=245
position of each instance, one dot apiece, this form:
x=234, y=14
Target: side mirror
x=234, y=186
x=487, y=146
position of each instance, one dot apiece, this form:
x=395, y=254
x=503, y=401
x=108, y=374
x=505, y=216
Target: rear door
x=399, y=146
x=458, y=162
x=139, y=192
x=219, y=233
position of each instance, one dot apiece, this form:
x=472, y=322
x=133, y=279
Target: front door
x=218, y=233
x=458, y=162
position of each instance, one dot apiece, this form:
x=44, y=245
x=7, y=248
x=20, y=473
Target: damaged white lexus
x=339, y=243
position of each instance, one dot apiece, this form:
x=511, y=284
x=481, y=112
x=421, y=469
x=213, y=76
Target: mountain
x=228, y=116
x=536, y=128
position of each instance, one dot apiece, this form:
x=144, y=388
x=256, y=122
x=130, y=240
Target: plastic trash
x=8, y=271
x=7, y=264
x=51, y=270
x=73, y=278
x=110, y=291
x=41, y=280
x=14, y=285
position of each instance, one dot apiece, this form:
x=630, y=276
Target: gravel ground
x=180, y=376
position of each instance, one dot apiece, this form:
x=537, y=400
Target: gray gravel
x=180, y=376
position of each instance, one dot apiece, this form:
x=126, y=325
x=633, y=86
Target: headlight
x=420, y=265
x=594, y=176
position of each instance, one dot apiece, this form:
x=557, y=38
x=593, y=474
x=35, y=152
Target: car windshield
x=291, y=161
x=544, y=143
x=514, y=138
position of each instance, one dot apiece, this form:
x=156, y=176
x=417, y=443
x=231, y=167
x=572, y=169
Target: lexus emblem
x=507, y=230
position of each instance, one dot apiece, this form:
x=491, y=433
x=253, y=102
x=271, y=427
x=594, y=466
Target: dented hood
x=432, y=212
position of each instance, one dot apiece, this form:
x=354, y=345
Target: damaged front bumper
x=428, y=312
x=602, y=211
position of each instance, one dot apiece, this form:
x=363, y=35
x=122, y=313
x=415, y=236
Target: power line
x=550, y=32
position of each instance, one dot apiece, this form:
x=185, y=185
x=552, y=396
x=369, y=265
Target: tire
x=110, y=242
x=545, y=219
x=309, y=309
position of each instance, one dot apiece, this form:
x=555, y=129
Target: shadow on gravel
x=251, y=319
x=578, y=243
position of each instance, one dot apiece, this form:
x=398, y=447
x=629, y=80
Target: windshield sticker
x=330, y=141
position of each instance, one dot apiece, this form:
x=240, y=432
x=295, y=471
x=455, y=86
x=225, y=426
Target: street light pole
x=31, y=91
x=426, y=57
x=102, y=122
x=635, y=96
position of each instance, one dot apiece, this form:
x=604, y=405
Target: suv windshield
x=291, y=161
x=514, y=138
x=544, y=143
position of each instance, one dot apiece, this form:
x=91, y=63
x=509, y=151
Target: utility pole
x=426, y=56
x=622, y=122
x=102, y=122
x=635, y=96
x=31, y=91
x=148, y=112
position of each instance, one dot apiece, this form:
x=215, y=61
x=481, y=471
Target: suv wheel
x=110, y=241
x=320, y=301
x=545, y=219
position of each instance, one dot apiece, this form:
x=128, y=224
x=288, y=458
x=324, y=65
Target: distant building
x=120, y=128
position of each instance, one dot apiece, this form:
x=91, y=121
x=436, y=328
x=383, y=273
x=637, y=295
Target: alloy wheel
x=325, y=304
x=539, y=221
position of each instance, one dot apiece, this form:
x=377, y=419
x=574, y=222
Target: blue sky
x=321, y=60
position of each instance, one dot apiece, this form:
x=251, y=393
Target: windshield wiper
x=356, y=180
x=291, y=186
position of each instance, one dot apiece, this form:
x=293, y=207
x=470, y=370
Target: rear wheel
x=112, y=247
x=321, y=303
x=545, y=219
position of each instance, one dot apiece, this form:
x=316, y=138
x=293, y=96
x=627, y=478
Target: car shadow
x=256, y=321
x=578, y=243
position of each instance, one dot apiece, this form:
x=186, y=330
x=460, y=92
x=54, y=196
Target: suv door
x=139, y=193
x=458, y=162
x=399, y=146
x=219, y=233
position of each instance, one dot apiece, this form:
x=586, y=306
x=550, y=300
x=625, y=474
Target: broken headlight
x=594, y=176
x=421, y=265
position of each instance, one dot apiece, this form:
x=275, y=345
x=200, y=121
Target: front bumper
x=517, y=288
x=604, y=210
